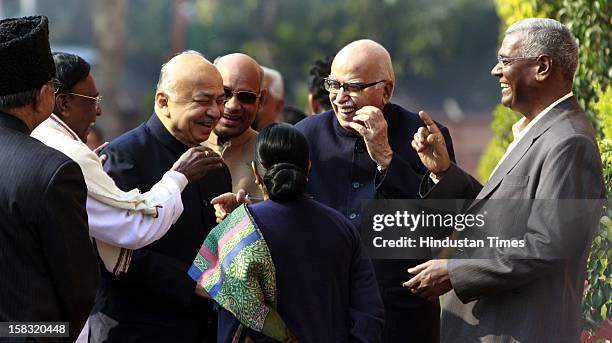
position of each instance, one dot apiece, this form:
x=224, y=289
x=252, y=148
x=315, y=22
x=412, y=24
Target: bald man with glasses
x=361, y=150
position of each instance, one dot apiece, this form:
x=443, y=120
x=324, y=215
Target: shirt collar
x=164, y=136
x=518, y=131
x=12, y=122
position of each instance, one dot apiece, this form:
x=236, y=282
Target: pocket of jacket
x=515, y=181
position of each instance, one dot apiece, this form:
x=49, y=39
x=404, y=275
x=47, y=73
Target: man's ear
x=388, y=92
x=40, y=97
x=263, y=97
x=161, y=102
x=544, y=68
x=61, y=105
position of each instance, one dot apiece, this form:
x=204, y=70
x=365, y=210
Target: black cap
x=25, y=56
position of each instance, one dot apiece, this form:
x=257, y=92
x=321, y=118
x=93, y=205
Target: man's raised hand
x=430, y=145
x=196, y=162
x=227, y=202
x=370, y=123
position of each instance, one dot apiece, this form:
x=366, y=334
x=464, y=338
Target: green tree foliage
x=597, y=304
x=425, y=37
x=590, y=22
x=503, y=118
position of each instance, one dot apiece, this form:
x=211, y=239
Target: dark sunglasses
x=245, y=97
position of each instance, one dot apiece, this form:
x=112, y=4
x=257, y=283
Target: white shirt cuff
x=176, y=178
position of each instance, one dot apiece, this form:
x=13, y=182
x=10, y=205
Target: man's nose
x=341, y=95
x=232, y=104
x=497, y=70
x=214, y=112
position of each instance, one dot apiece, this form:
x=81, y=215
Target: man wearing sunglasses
x=233, y=138
x=119, y=221
x=361, y=150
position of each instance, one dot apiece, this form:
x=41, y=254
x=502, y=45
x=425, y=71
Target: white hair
x=276, y=87
x=550, y=37
x=165, y=83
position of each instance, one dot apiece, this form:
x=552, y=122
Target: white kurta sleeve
x=133, y=230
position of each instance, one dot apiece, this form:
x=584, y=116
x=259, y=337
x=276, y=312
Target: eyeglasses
x=96, y=99
x=55, y=84
x=245, y=97
x=334, y=86
x=505, y=61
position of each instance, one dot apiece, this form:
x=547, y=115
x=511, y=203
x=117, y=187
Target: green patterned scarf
x=235, y=267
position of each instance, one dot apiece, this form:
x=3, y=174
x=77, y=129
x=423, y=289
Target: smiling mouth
x=347, y=110
x=231, y=117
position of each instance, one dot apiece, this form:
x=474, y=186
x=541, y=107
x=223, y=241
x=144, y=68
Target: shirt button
x=205, y=202
x=356, y=185
x=353, y=215
x=359, y=148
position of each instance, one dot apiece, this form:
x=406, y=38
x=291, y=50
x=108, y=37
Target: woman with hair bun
x=304, y=259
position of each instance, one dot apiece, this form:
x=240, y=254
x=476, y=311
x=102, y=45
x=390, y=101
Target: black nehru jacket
x=155, y=301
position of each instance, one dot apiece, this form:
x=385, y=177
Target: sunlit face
x=345, y=104
x=240, y=109
x=516, y=77
x=195, y=105
x=82, y=106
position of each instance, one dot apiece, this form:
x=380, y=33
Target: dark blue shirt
x=326, y=288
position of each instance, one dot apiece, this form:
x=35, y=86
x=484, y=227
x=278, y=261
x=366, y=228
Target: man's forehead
x=240, y=77
x=87, y=85
x=352, y=71
x=511, y=42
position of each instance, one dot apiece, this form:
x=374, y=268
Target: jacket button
x=359, y=148
x=353, y=215
x=356, y=185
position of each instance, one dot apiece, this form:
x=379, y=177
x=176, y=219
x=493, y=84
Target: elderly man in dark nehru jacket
x=155, y=300
x=361, y=150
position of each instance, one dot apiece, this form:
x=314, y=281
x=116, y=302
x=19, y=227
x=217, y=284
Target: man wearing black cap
x=48, y=267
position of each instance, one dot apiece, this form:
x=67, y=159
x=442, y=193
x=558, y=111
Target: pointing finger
x=431, y=126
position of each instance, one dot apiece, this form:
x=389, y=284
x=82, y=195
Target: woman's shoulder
x=304, y=211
